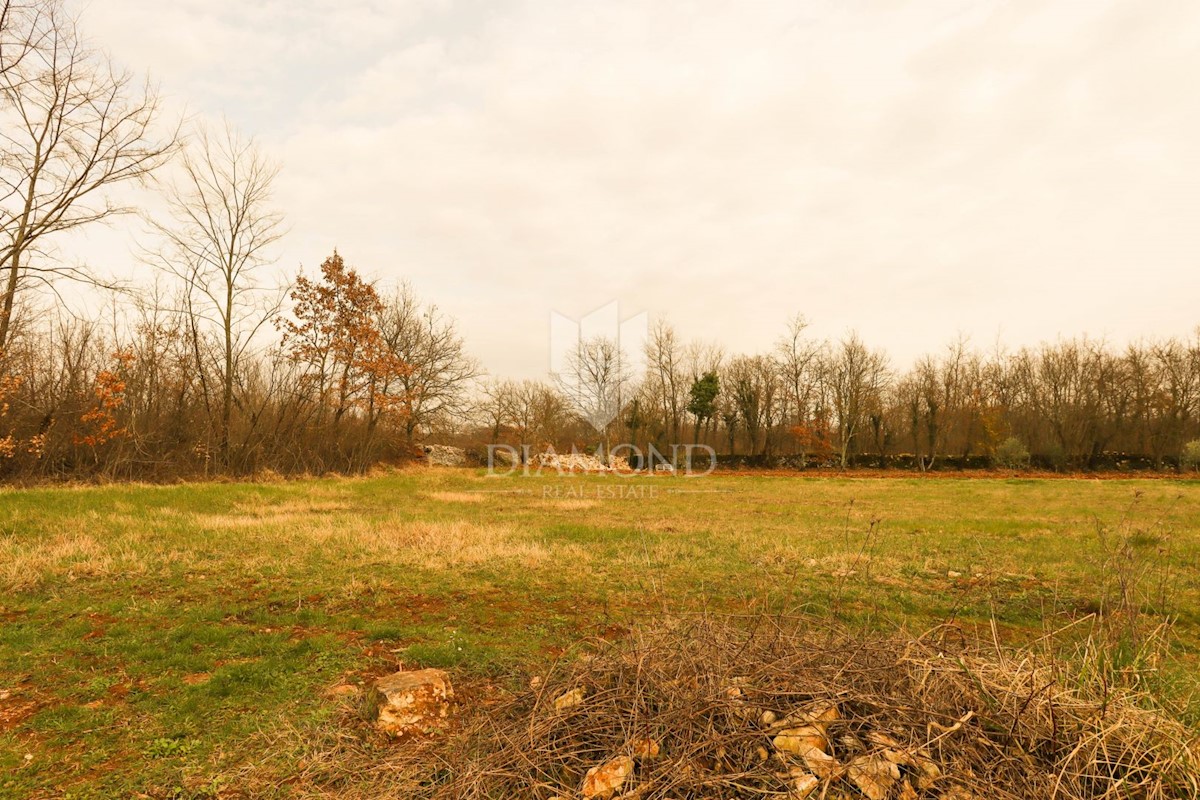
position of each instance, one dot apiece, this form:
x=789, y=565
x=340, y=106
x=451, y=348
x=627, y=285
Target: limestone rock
x=441, y=455
x=414, y=702
x=890, y=749
x=579, y=462
x=606, y=780
x=851, y=743
x=806, y=729
x=818, y=714
x=917, y=760
x=874, y=776
x=803, y=784
x=646, y=748
x=928, y=772
x=821, y=764
x=569, y=699
x=800, y=740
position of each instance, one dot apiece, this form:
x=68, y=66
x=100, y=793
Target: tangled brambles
x=790, y=710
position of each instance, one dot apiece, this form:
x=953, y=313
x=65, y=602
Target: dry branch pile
x=790, y=710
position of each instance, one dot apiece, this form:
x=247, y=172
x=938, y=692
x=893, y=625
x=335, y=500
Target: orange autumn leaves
x=9, y=446
x=335, y=337
x=100, y=422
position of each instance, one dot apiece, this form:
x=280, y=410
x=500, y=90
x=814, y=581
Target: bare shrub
x=1012, y=454
x=1190, y=458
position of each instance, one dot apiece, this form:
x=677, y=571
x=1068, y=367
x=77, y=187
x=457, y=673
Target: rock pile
x=579, y=462
x=879, y=767
x=442, y=455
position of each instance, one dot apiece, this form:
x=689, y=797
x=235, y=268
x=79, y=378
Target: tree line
x=1076, y=403
x=218, y=364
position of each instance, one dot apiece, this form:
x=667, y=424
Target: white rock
x=569, y=699
x=800, y=740
x=606, y=780
x=819, y=714
x=645, y=748
x=803, y=784
x=821, y=764
x=441, y=455
x=414, y=702
x=874, y=776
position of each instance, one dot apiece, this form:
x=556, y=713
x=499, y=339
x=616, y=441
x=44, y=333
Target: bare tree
x=665, y=370
x=597, y=379
x=217, y=241
x=439, y=369
x=25, y=25
x=495, y=406
x=72, y=127
x=854, y=376
x=540, y=414
x=727, y=411
x=11, y=38
x=14, y=34
x=798, y=357
x=754, y=383
x=742, y=385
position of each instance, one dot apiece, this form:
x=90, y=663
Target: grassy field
x=186, y=641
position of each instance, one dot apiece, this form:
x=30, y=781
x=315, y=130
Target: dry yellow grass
x=457, y=497
x=256, y=537
x=443, y=545
x=67, y=555
x=570, y=505
x=432, y=545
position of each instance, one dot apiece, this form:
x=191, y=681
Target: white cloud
x=909, y=169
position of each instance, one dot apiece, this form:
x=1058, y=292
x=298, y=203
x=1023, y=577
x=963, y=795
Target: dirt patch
x=15, y=708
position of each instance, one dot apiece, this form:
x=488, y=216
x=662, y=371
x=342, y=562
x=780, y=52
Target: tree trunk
x=227, y=383
x=10, y=293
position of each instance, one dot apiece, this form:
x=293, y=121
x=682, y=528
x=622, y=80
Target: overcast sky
x=910, y=170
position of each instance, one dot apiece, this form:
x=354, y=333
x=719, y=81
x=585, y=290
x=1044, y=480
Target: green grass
x=180, y=641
